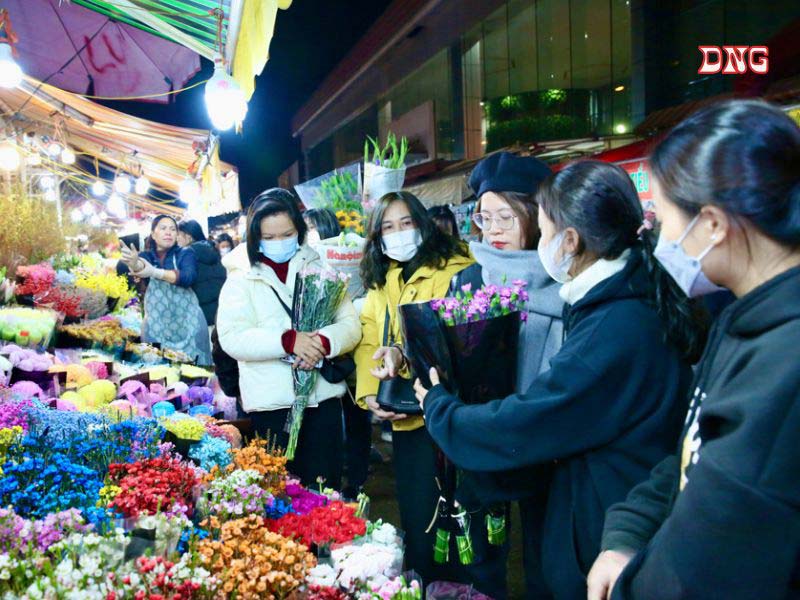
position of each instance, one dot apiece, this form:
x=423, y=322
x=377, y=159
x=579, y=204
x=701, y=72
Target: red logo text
x=734, y=60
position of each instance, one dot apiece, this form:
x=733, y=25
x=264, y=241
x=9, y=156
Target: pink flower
x=523, y=316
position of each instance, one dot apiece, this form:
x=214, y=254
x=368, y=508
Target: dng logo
x=734, y=60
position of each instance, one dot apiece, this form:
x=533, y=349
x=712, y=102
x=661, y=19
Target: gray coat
x=542, y=333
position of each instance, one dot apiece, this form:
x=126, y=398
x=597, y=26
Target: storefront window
x=431, y=82
x=555, y=69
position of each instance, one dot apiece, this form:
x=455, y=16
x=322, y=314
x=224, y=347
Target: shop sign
x=639, y=170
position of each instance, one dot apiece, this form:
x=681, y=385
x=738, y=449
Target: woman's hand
x=130, y=256
x=308, y=348
x=605, y=572
x=421, y=391
x=302, y=365
x=392, y=361
x=372, y=404
x=146, y=270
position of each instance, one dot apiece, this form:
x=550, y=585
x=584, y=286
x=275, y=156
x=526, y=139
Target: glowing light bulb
x=54, y=150
x=9, y=156
x=122, y=184
x=68, y=157
x=142, y=185
x=225, y=100
x=98, y=189
x=620, y=128
x=48, y=182
x=76, y=215
x=50, y=195
x=87, y=208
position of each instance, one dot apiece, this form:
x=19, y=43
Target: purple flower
x=467, y=287
x=523, y=316
x=520, y=283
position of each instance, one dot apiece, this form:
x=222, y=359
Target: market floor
x=381, y=490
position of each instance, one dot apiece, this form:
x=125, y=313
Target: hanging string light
x=225, y=100
x=76, y=215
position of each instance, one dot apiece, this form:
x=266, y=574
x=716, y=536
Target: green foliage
x=391, y=156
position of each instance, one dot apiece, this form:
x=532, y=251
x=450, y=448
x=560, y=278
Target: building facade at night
x=464, y=77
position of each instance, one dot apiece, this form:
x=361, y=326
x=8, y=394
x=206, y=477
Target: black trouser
x=319, y=449
x=414, y=457
x=489, y=571
x=358, y=441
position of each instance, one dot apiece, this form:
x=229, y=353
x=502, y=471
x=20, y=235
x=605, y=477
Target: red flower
x=335, y=523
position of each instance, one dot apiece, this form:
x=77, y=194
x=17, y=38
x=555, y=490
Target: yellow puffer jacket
x=427, y=283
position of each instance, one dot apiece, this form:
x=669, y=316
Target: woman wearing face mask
x=224, y=244
x=407, y=258
x=322, y=225
x=613, y=402
x=173, y=317
x=721, y=518
x=255, y=329
x=507, y=215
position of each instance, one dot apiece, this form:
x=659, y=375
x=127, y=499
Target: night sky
x=310, y=39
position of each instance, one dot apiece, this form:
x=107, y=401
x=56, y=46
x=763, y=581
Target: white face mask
x=224, y=251
x=558, y=269
x=402, y=246
x=685, y=270
x=312, y=237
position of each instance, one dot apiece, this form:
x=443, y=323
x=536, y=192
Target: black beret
x=506, y=172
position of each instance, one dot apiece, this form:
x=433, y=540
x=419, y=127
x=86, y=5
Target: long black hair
x=325, y=221
x=742, y=156
x=600, y=202
x=436, y=248
x=443, y=216
x=192, y=229
x=274, y=201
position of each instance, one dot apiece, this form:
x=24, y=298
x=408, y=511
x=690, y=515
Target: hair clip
x=647, y=223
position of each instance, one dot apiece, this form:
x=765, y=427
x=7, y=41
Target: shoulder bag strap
x=283, y=304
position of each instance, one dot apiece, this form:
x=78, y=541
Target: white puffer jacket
x=251, y=321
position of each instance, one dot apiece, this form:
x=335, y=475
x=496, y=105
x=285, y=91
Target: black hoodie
x=721, y=519
x=608, y=410
x=210, y=279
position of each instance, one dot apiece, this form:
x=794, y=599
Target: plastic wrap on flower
x=120, y=410
x=185, y=429
x=201, y=410
x=227, y=406
x=179, y=388
x=169, y=374
x=62, y=404
x=98, y=369
x=233, y=435
x=28, y=389
x=211, y=452
x=98, y=393
x=162, y=409
x=79, y=375
x=199, y=395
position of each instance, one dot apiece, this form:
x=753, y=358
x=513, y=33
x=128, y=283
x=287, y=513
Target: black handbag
x=397, y=395
x=333, y=370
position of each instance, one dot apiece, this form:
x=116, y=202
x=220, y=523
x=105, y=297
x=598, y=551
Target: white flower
x=385, y=534
x=322, y=575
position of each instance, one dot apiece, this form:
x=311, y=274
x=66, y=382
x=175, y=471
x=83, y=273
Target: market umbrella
x=120, y=60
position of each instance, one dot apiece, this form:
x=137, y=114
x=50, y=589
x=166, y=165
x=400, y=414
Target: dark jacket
x=176, y=258
x=734, y=529
x=225, y=367
x=608, y=410
x=211, y=277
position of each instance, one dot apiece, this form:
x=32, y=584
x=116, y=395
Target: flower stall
x=124, y=473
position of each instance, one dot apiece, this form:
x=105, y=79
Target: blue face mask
x=279, y=251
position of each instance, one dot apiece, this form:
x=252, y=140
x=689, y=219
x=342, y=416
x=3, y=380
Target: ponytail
x=685, y=319
x=600, y=202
